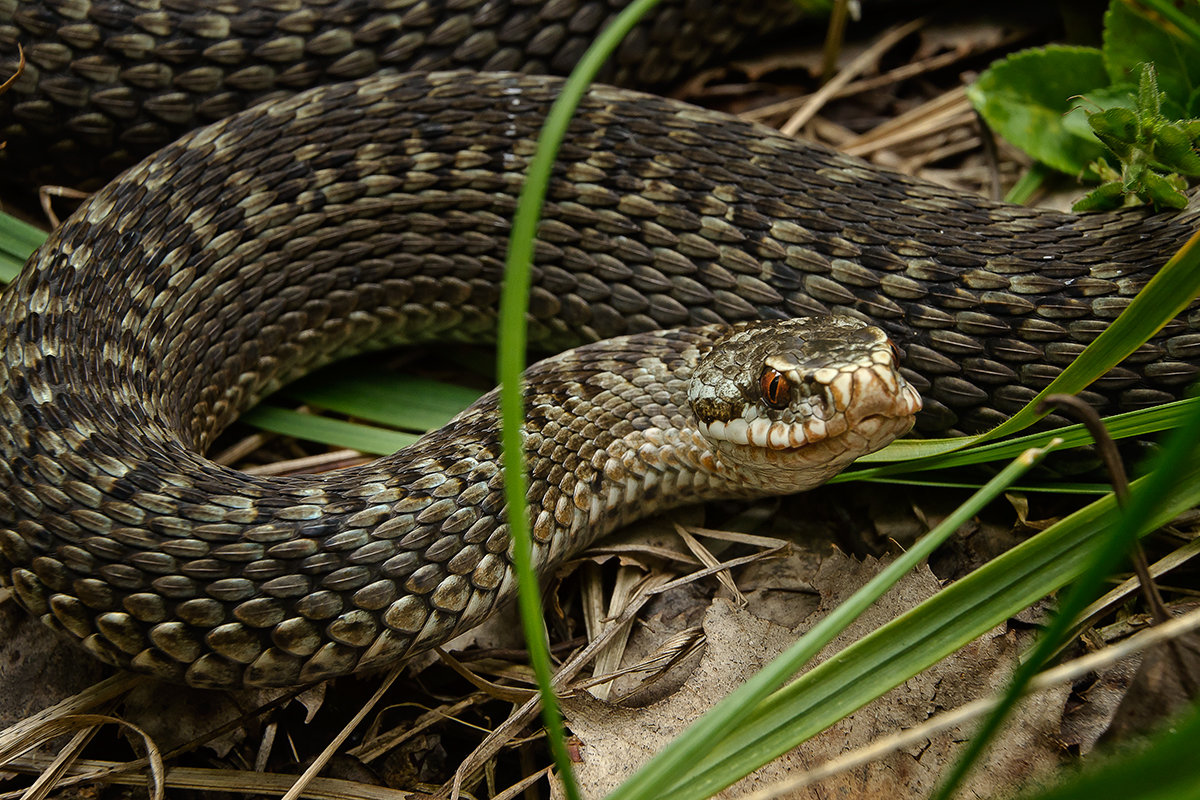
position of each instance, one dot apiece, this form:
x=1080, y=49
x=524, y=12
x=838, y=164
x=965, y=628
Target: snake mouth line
x=775, y=435
x=789, y=438
x=765, y=434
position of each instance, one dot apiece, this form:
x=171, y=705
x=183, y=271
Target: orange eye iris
x=774, y=388
x=895, y=351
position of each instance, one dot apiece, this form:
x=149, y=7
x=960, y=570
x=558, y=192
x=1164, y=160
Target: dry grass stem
x=221, y=780
x=725, y=577
x=48, y=780
x=933, y=117
x=523, y=784
x=1119, y=593
x=490, y=746
x=90, y=698
x=379, y=745
x=298, y=789
x=508, y=694
x=597, y=620
x=672, y=650
x=84, y=725
x=859, y=65
x=242, y=448
x=334, y=459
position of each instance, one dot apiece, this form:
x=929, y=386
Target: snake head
x=787, y=404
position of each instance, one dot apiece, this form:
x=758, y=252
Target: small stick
x=1117, y=476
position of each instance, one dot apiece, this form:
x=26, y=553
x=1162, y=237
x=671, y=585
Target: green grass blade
x=916, y=640
x=1163, y=297
x=399, y=401
x=18, y=240
x=694, y=743
x=1131, y=424
x=1051, y=488
x=1181, y=447
x=1028, y=184
x=336, y=432
x=1164, y=768
x=514, y=304
x=787, y=718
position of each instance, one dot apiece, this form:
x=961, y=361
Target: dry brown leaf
x=1091, y=709
x=181, y=714
x=1167, y=682
x=616, y=740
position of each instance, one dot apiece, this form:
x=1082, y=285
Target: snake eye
x=895, y=351
x=774, y=388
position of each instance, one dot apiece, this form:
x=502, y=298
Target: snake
x=373, y=212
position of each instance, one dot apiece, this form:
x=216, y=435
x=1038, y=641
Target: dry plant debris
x=615, y=740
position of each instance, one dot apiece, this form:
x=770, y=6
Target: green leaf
x=1134, y=35
x=1105, y=197
x=1149, y=96
x=1117, y=128
x=1027, y=96
x=1174, y=150
x=1161, y=191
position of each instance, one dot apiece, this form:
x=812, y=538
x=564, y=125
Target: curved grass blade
x=692, y=745
x=514, y=304
x=1163, y=297
x=1179, y=448
x=926, y=634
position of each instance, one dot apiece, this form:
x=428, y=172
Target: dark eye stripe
x=774, y=388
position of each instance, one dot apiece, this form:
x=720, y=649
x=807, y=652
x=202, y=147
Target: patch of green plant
x=1122, y=113
x=1155, y=153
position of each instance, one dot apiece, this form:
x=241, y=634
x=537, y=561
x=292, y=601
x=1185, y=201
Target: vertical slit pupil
x=774, y=388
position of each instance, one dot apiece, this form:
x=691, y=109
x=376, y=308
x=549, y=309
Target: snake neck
x=278, y=581
x=610, y=437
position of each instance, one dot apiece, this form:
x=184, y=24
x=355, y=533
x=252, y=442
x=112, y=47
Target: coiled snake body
x=372, y=213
